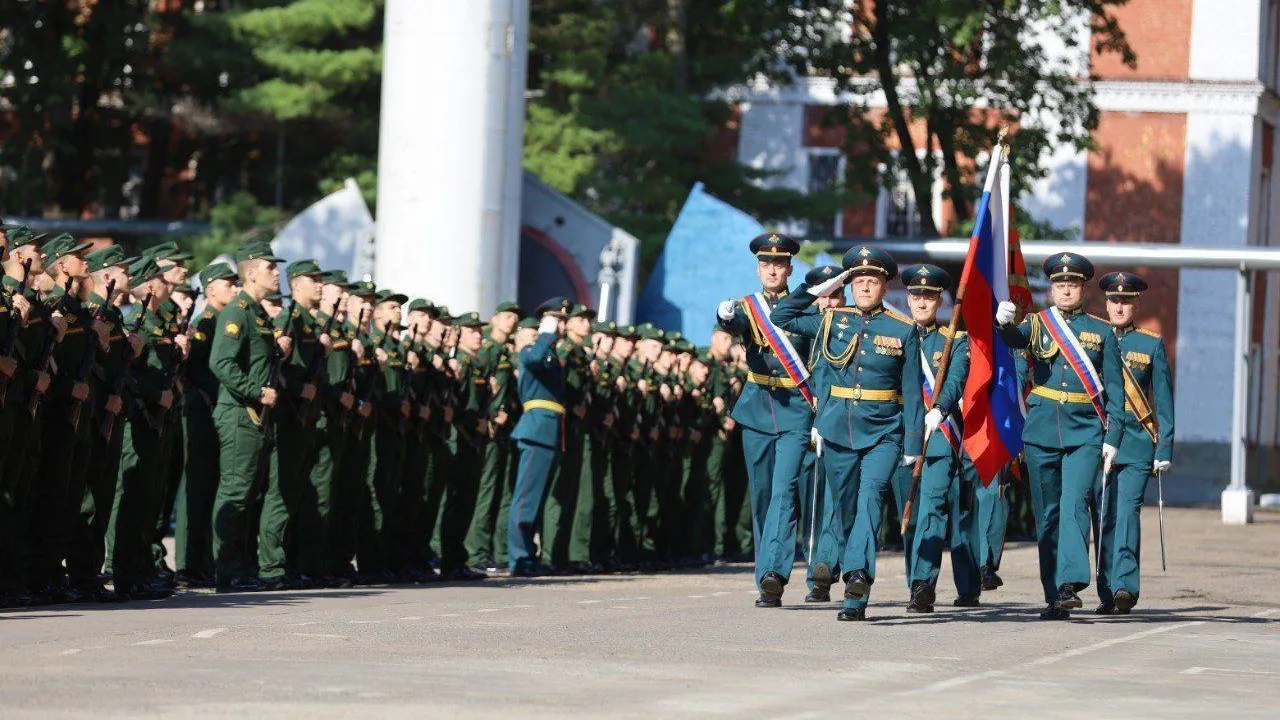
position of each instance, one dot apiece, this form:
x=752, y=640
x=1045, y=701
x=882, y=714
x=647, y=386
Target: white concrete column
x=1226, y=39
x=446, y=150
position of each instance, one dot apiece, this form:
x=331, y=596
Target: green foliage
x=937, y=62
x=624, y=118
x=238, y=220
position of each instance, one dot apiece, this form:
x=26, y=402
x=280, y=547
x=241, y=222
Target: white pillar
x=449, y=142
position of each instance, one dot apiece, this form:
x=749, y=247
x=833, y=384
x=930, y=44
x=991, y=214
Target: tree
x=317, y=80
x=963, y=69
x=624, y=114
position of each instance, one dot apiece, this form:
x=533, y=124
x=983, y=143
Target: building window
x=826, y=169
x=897, y=212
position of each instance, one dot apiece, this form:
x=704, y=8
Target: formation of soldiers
x=348, y=435
x=344, y=435
x=876, y=396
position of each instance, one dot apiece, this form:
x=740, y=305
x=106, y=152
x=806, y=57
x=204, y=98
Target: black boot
x=857, y=584
x=852, y=615
x=990, y=580
x=922, y=597
x=1068, y=599
x=1125, y=601
x=1052, y=612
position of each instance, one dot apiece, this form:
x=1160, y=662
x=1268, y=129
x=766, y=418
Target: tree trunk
x=921, y=182
x=946, y=131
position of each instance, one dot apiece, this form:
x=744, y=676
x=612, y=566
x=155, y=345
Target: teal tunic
x=538, y=436
x=874, y=351
x=1063, y=441
x=1143, y=352
x=775, y=422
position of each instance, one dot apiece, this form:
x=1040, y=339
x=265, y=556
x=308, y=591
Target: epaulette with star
x=1099, y=319
x=1151, y=333
x=243, y=304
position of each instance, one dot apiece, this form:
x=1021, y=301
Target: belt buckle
x=773, y=382
x=857, y=393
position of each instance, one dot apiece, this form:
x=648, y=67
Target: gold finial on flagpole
x=1004, y=130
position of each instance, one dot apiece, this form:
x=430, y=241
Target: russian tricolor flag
x=994, y=411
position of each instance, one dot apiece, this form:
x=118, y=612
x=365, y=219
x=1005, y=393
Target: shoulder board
x=208, y=314
x=1099, y=319
x=899, y=316
x=1151, y=333
x=242, y=304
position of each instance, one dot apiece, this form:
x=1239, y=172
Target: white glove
x=932, y=420
x=814, y=437
x=725, y=311
x=1005, y=312
x=1161, y=466
x=1108, y=454
x=831, y=286
x=909, y=460
x=549, y=324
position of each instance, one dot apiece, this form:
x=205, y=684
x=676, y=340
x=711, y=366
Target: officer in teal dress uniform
x=1065, y=440
x=827, y=543
x=775, y=419
x=539, y=433
x=1146, y=447
x=870, y=415
x=944, y=517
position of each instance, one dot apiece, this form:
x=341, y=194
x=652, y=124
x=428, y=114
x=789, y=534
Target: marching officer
x=1146, y=447
x=539, y=434
x=1075, y=417
x=774, y=414
x=945, y=506
x=871, y=417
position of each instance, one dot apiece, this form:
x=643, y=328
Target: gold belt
x=550, y=405
x=771, y=381
x=1062, y=396
x=861, y=393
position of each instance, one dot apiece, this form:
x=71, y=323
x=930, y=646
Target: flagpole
x=943, y=366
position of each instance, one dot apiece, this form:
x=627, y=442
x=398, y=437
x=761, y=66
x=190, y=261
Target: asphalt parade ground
x=1203, y=642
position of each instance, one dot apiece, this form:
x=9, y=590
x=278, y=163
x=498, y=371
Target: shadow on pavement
x=1031, y=613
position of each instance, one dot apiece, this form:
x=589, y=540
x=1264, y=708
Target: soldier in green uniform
x=244, y=344
x=1075, y=417
x=1146, y=446
x=625, y=437
x=944, y=518
x=776, y=418
x=597, y=511
x=291, y=553
x=471, y=422
x=482, y=550
x=139, y=491
x=173, y=263
x=60, y=486
x=539, y=434
x=871, y=418
x=193, y=549
x=22, y=266
x=336, y=402
x=382, y=526
x=108, y=268
x=352, y=502
x=425, y=474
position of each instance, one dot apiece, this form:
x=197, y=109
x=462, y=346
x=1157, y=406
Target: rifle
x=11, y=332
x=87, y=360
x=943, y=366
x=313, y=365
x=273, y=373
x=353, y=366
x=367, y=396
x=46, y=352
x=108, y=424
x=175, y=370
